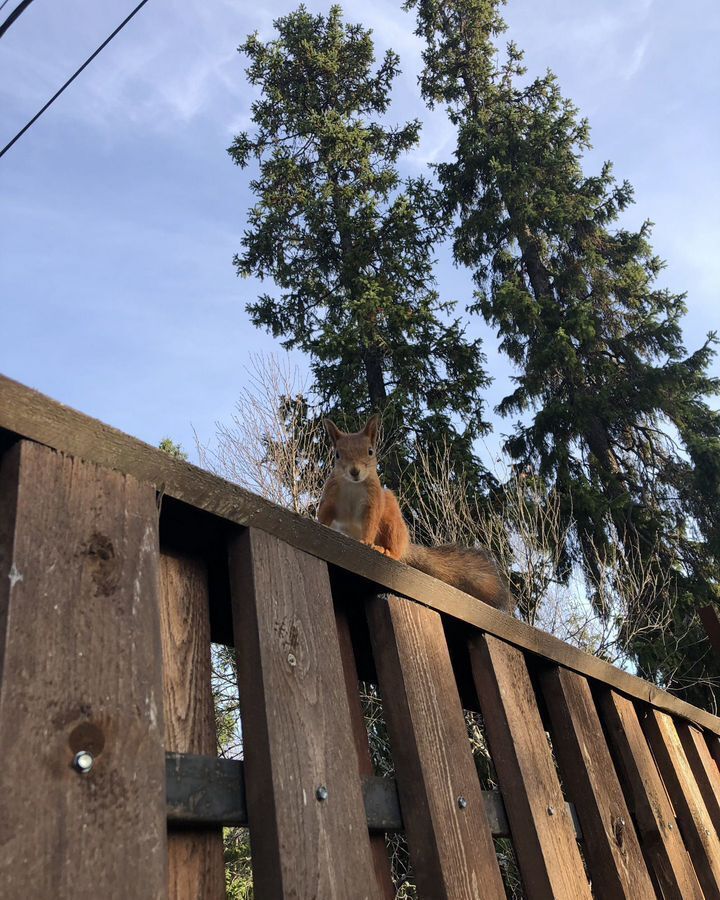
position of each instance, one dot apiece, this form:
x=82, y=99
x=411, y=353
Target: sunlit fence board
x=648, y=800
x=700, y=836
x=540, y=824
x=448, y=833
x=612, y=850
x=305, y=805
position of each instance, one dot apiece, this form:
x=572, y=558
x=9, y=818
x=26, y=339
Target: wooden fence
x=119, y=565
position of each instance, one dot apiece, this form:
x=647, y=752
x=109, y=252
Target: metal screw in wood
x=83, y=761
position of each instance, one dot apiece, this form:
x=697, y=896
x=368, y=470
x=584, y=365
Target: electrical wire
x=15, y=14
x=72, y=78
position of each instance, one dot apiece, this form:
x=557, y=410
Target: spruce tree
x=613, y=412
x=348, y=243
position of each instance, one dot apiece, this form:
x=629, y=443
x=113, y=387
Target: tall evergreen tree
x=348, y=243
x=615, y=413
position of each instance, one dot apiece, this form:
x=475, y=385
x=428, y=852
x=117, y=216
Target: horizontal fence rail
x=205, y=790
x=118, y=567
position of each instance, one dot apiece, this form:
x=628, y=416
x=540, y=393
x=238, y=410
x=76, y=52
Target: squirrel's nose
x=354, y=471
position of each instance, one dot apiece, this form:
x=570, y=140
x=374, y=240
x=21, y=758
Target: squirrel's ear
x=371, y=428
x=333, y=431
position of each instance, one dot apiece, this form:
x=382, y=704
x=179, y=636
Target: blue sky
x=121, y=210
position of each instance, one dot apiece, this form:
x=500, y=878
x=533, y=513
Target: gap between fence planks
x=196, y=865
x=81, y=670
x=28, y=413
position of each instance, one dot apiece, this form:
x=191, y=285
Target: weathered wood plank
x=703, y=767
x=307, y=819
x=612, y=850
x=81, y=670
x=196, y=865
x=448, y=833
x=647, y=798
x=542, y=830
x=29, y=413
x=383, y=887
x=700, y=836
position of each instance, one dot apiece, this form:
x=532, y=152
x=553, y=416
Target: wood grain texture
x=383, y=888
x=296, y=727
x=28, y=413
x=713, y=742
x=196, y=866
x=541, y=827
x=611, y=847
x=81, y=670
x=703, y=767
x=700, y=836
x=451, y=848
x=647, y=798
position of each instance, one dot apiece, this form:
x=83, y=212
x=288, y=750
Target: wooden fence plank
x=384, y=887
x=704, y=768
x=81, y=670
x=648, y=800
x=448, y=833
x=700, y=836
x=612, y=850
x=29, y=413
x=305, y=805
x=541, y=827
x=713, y=742
x=196, y=866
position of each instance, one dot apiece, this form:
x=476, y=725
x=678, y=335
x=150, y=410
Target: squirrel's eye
x=337, y=454
x=371, y=452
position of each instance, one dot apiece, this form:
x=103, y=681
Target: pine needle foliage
x=348, y=243
x=613, y=413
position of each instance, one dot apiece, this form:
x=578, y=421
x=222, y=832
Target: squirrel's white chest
x=350, y=506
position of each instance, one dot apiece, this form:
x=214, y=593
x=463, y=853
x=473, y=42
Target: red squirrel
x=354, y=502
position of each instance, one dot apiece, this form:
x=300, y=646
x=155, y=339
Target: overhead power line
x=18, y=11
x=72, y=78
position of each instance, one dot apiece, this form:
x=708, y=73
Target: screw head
x=321, y=793
x=462, y=803
x=83, y=761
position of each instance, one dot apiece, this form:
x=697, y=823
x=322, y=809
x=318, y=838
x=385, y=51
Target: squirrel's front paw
x=375, y=547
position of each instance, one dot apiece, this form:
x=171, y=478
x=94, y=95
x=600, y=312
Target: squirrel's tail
x=473, y=571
